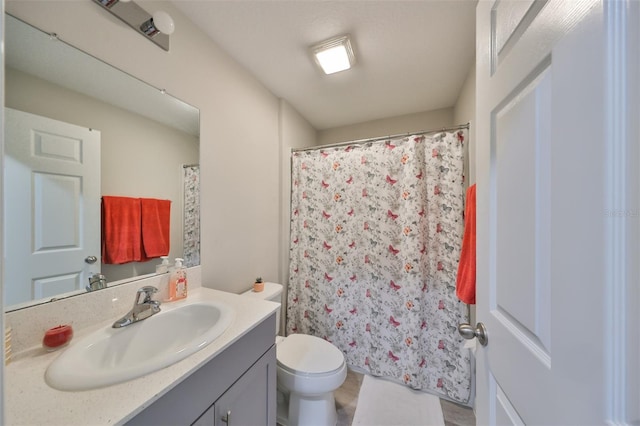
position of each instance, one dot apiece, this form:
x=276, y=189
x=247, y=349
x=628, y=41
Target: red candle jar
x=56, y=337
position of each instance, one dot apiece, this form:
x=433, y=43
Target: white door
x=555, y=105
x=52, y=206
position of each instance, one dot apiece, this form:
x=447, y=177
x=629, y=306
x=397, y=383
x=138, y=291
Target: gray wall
x=295, y=132
x=427, y=120
x=465, y=112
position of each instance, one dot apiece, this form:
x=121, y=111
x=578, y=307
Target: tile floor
x=347, y=398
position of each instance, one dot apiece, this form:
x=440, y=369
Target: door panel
x=53, y=286
x=506, y=414
x=507, y=17
x=509, y=21
x=52, y=208
x=521, y=206
x=56, y=203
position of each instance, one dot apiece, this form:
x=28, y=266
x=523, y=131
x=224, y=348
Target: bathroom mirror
x=148, y=147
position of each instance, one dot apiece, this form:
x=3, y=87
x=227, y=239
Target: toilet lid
x=308, y=354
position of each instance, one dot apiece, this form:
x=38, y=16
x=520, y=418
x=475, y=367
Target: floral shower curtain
x=375, y=242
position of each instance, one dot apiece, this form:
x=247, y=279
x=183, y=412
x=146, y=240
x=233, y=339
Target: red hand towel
x=156, y=219
x=121, y=238
x=466, y=280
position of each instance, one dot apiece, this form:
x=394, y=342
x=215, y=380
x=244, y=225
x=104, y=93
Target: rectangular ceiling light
x=334, y=55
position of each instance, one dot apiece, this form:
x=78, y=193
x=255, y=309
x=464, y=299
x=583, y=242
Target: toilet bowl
x=309, y=370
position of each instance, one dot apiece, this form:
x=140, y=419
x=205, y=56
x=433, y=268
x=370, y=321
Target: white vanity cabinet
x=237, y=387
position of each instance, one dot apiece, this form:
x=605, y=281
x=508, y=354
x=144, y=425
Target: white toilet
x=309, y=370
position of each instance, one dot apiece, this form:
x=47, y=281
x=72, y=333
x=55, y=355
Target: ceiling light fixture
x=334, y=55
x=156, y=28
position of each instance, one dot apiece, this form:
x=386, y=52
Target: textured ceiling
x=412, y=56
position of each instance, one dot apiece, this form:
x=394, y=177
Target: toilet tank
x=272, y=292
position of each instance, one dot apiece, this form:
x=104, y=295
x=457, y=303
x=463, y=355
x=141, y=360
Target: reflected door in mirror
x=52, y=206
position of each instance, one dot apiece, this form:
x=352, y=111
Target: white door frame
x=2, y=26
x=623, y=211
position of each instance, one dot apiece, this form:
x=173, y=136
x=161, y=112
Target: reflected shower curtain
x=191, y=219
x=376, y=231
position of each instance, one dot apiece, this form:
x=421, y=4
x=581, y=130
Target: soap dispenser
x=163, y=268
x=178, y=281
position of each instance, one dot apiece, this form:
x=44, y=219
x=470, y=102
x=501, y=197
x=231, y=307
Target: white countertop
x=30, y=401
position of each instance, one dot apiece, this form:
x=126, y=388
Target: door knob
x=90, y=260
x=468, y=332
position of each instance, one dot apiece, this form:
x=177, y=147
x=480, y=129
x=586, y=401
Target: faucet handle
x=144, y=294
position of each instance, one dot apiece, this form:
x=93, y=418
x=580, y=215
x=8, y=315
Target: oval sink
x=109, y=356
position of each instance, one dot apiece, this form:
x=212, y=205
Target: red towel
x=466, y=281
x=156, y=219
x=121, y=236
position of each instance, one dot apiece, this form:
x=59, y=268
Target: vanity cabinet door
x=207, y=418
x=250, y=401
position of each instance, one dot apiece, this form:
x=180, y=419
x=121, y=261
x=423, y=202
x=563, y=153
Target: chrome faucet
x=97, y=281
x=143, y=307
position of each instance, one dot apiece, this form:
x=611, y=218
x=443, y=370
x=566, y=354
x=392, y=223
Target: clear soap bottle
x=163, y=268
x=178, y=281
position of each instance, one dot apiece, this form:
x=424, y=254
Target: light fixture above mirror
x=156, y=28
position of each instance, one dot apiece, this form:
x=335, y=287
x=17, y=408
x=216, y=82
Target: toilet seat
x=308, y=355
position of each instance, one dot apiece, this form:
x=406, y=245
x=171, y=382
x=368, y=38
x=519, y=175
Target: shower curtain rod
x=382, y=138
